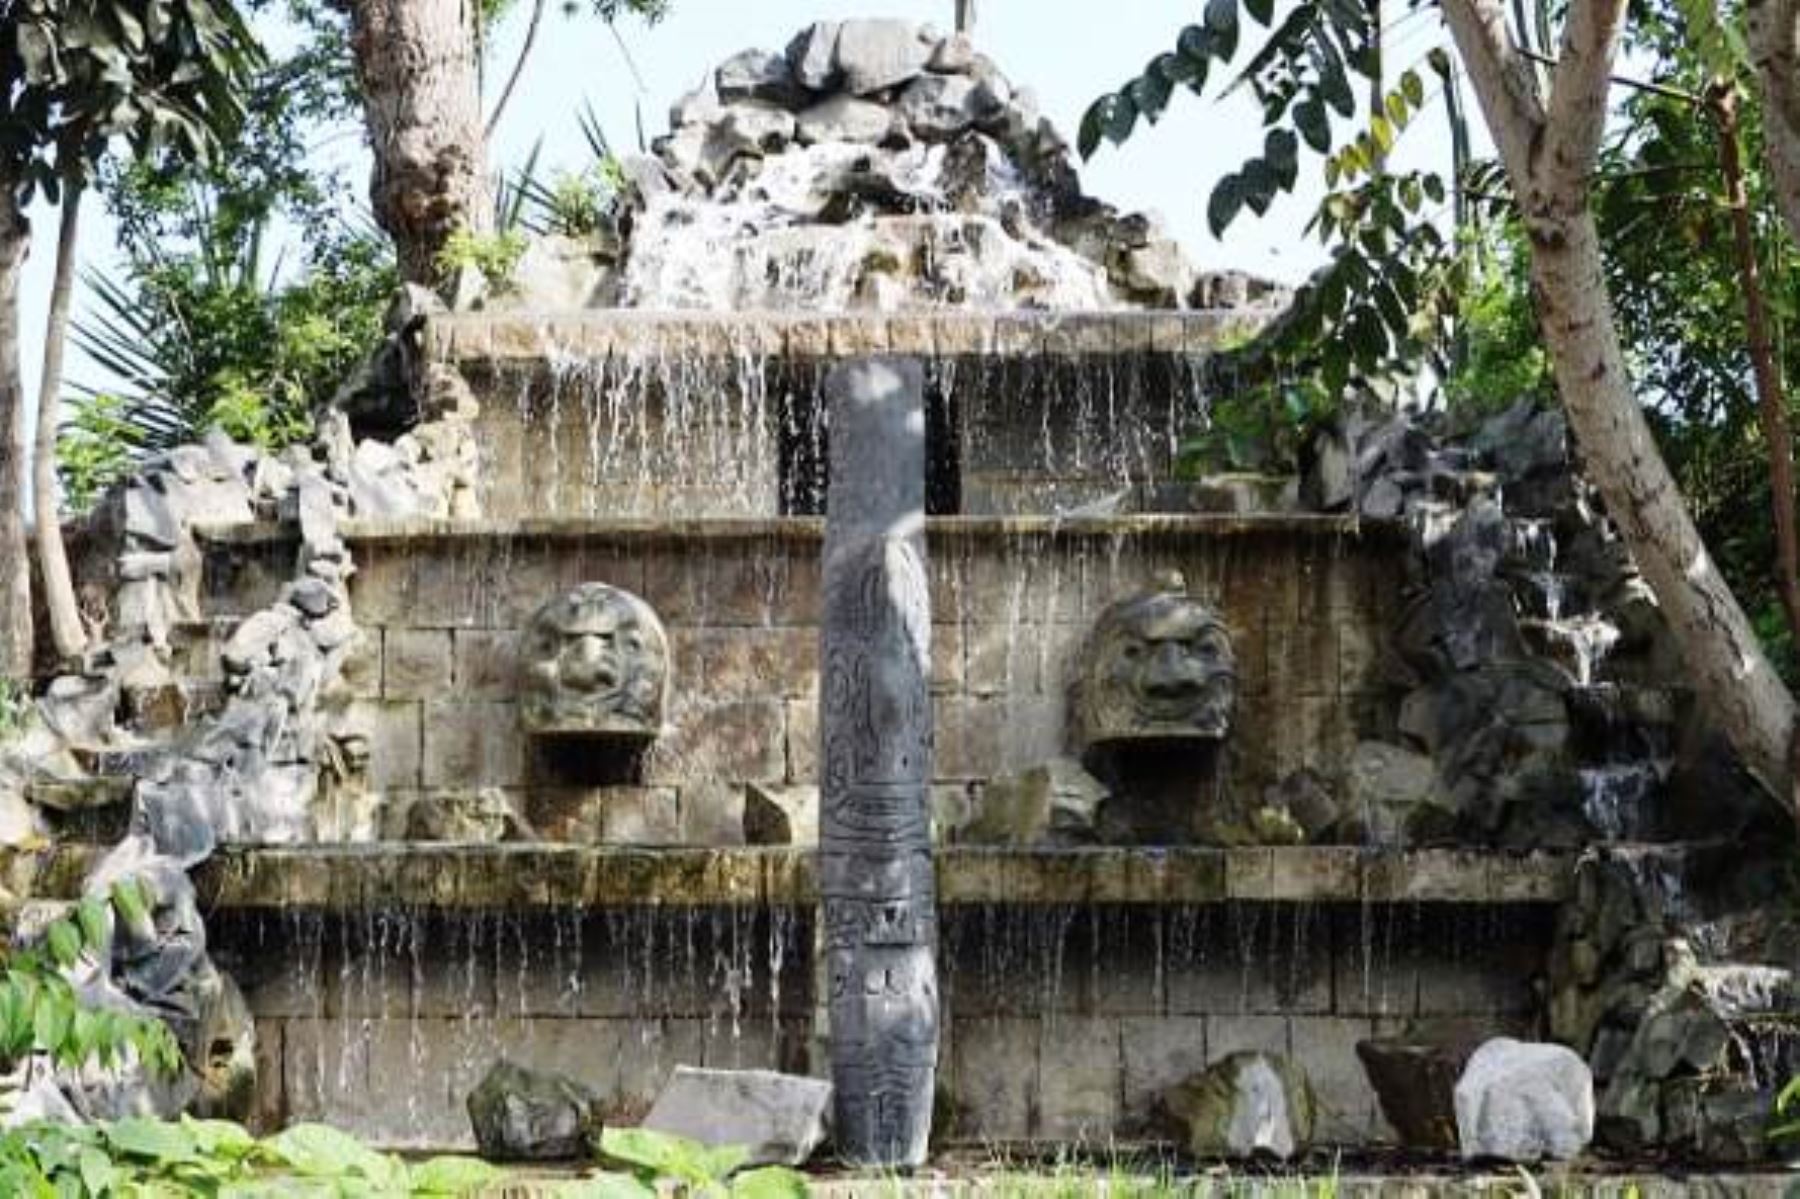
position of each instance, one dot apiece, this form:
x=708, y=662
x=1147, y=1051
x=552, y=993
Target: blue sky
x=1068, y=52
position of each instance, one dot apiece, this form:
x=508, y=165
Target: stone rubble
x=529, y=1115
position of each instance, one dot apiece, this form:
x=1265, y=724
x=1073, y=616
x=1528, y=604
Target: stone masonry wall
x=434, y=682
x=1061, y=1023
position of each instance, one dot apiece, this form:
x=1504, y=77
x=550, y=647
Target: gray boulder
x=938, y=107
x=845, y=119
x=1055, y=803
x=758, y=75
x=524, y=1115
x=1246, y=1105
x=779, y=1118
x=812, y=55
x=1522, y=1101
x=879, y=53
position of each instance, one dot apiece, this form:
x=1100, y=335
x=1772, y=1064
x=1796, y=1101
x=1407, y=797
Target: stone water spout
x=594, y=664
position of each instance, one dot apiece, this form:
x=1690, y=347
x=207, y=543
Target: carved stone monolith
x=875, y=869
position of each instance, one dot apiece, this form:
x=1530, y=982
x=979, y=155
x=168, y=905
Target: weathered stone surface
x=938, y=107
x=812, y=55
x=1053, y=803
x=1416, y=1084
x=779, y=1118
x=526, y=1115
x=781, y=815
x=1522, y=1101
x=1246, y=1105
x=875, y=764
x=876, y=53
x=844, y=118
x=757, y=75
x=1392, y=796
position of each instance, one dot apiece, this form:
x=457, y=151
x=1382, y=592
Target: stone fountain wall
x=434, y=685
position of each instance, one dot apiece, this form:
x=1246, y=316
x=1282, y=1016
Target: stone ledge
x=524, y=876
x=804, y=529
x=473, y=337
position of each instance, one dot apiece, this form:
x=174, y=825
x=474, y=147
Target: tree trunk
x=15, y=551
x=1774, y=41
x=1771, y=395
x=66, y=630
x=1550, y=148
x=417, y=69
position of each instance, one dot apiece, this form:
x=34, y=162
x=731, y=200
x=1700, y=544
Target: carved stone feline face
x=594, y=660
x=1157, y=667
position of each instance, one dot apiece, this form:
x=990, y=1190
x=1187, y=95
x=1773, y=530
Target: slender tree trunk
x=1771, y=396
x=518, y=69
x=1774, y=40
x=417, y=69
x=1549, y=147
x=15, y=550
x=66, y=630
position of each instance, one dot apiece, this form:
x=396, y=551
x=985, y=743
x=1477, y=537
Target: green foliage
x=215, y=1157
x=1500, y=353
x=495, y=255
x=40, y=1012
x=1786, y=1125
x=93, y=450
x=164, y=74
x=697, y=1170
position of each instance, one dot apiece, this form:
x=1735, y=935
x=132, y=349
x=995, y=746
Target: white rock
x=878, y=53
x=1522, y=1101
x=778, y=1117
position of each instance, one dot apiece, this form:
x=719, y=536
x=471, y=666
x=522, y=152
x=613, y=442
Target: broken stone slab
x=781, y=815
x=779, y=1118
x=1392, y=796
x=1522, y=1101
x=529, y=1115
x=876, y=53
x=938, y=107
x=1415, y=1083
x=1246, y=1105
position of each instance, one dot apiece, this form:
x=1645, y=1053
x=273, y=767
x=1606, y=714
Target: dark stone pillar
x=875, y=870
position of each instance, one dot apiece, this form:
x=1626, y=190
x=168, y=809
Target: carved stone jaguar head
x=1158, y=666
x=594, y=660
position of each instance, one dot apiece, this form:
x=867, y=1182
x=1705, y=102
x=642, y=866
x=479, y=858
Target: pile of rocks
x=873, y=164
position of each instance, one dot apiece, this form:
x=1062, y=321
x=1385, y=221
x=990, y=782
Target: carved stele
x=875, y=865
x=1157, y=667
x=594, y=661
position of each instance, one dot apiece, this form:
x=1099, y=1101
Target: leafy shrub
x=495, y=255
x=694, y=1169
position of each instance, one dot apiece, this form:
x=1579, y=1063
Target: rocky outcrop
x=874, y=164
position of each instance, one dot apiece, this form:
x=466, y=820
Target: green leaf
x=1413, y=88
x=154, y=1140
x=1262, y=11
x=1093, y=126
x=1439, y=60
x=452, y=1176
x=323, y=1152
x=1222, y=207
x=603, y=1185
x=770, y=1182
x=64, y=942
x=53, y=1019
x=1221, y=21
x=1396, y=109
x=90, y=915
x=1314, y=126
x=1150, y=93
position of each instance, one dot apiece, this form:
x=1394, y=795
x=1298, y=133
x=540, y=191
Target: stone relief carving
x=1157, y=667
x=595, y=660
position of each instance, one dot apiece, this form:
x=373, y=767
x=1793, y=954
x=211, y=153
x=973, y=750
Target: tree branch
x=1578, y=88
x=1504, y=82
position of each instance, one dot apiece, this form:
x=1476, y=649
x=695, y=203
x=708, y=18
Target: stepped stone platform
x=521, y=877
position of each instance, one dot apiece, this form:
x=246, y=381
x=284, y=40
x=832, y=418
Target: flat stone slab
x=779, y=1118
x=525, y=876
x=473, y=338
